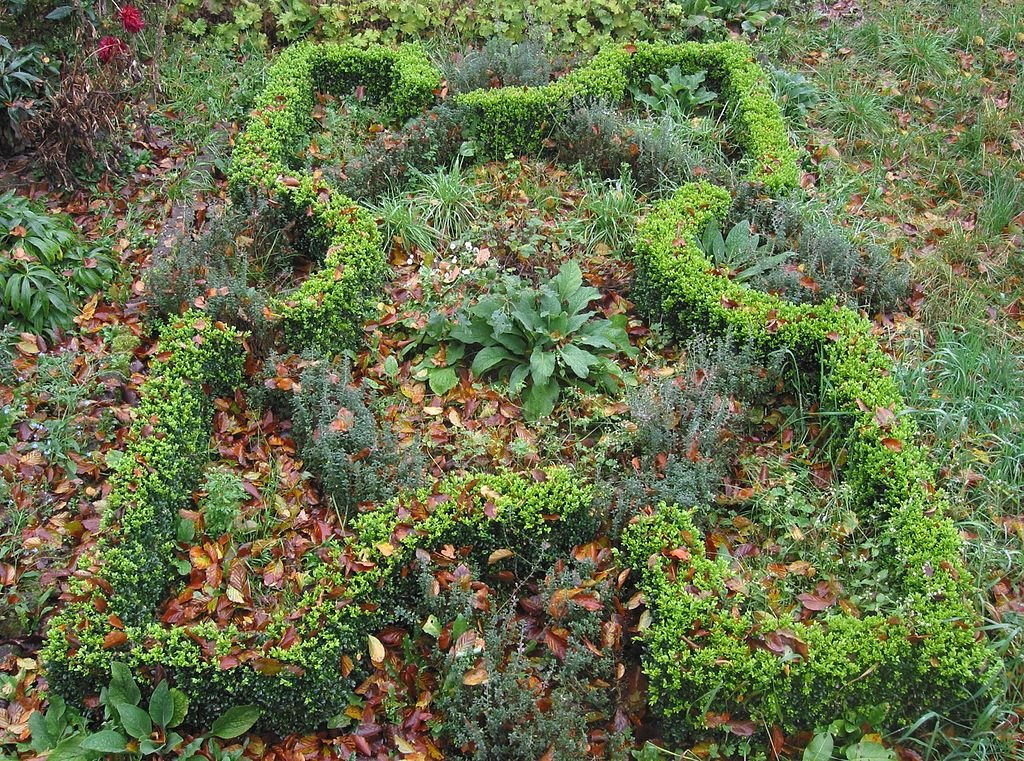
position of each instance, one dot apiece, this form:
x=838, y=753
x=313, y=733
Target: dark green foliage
x=45, y=268
x=341, y=442
x=530, y=703
x=24, y=75
x=539, y=340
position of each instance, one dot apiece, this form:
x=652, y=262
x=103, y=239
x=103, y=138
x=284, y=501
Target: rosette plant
x=542, y=339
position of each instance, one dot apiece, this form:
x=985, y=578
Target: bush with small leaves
x=356, y=460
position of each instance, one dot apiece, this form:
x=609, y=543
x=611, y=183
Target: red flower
x=131, y=19
x=110, y=48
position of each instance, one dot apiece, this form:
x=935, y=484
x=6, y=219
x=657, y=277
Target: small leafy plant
x=24, y=74
x=537, y=339
x=676, y=94
x=44, y=267
x=223, y=502
x=741, y=251
x=131, y=730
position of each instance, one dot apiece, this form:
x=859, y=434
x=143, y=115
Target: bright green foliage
x=326, y=310
x=925, y=653
x=536, y=519
x=44, y=267
x=328, y=307
x=516, y=120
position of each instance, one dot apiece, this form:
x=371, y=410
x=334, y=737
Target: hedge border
x=297, y=678
x=517, y=119
x=927, y=652
x=327, y=309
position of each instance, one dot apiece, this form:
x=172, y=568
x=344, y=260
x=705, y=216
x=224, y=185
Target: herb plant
x=538, y=340
x=676, y=94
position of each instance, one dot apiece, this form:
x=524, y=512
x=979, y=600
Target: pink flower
x=110, y=48
x=131, y=19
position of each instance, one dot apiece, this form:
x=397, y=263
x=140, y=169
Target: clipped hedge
x=327, y=309
x=517, y=119
x=303, y=664
x=925, y=654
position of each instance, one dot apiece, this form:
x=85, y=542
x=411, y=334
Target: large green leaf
x=135, y=721
x=106, y=741
x=517, y=378
x=577, y=360
x=161, y=705
x=542, y=365
x=235, y=721
x=540, y=399
x=123, y=688
x=488, y=358
x=568, y=280
x=819, y=748
x=442, y=380
x=180, y=706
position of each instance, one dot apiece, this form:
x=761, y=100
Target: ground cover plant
x=544, y=399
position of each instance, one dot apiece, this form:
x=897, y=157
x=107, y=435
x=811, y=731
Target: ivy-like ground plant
x=699, y=654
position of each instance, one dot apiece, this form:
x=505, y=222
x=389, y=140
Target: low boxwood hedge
x=301, y=667
x=926, y=653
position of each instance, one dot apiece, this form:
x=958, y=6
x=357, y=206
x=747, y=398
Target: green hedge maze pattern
x=697, y=652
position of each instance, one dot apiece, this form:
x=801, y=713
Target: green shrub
x=221, y=269
x=45, y=268
x=356, y=460
x=925, y=652
x=500, y=62
x=531, y=702
x=676, y=94
x=326, y=310
x=24, y=74
x=538, y=517
x=537, y=339
x=518, y=120
x=659, y=153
